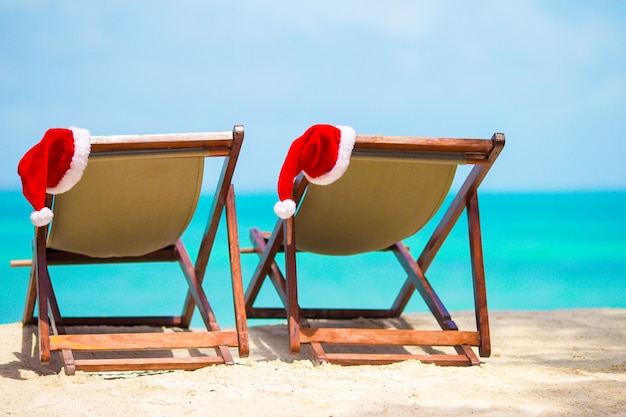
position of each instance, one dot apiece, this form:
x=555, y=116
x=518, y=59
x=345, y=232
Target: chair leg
x=43, y=291
x=49, y=316
x=31, y=294
x=43, y=330
x=56, y=325
x=293, y=310
x=316, y=350
x=195, y=288
x=236, y=276
x=58, y=328
x=478, y=274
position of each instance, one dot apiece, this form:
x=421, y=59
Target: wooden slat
x=16, y=263
x=337, y=313
x=142, y=341
x=318, y=313
x=354, y=336
x=56, y=257
x=147, y=364
x=218, y=143
x=384, y=359
x=420, y=143
x=459, y=150
x=215, y=137
x=155, y=321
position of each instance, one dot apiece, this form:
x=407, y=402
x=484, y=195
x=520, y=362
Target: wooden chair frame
x=481, y=154
x=53, y=327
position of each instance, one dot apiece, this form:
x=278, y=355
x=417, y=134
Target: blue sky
x=551, y=75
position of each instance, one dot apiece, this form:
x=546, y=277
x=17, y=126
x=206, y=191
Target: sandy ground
x=561, y=363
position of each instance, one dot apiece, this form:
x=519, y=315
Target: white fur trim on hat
x=346, y=144
x=82, y=148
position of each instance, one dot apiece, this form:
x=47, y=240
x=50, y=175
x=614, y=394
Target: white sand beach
x=552, y=363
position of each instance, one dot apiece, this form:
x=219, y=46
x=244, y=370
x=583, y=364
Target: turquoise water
x=542, y=251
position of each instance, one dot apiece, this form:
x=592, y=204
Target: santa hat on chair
x=322, y=153
x=53, y=166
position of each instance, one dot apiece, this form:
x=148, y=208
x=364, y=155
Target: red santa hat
x=322, y=153
x=53, y=166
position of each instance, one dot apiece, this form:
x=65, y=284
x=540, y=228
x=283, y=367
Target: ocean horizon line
x=264, y=191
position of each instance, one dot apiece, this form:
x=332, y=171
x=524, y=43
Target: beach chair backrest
x=138, y=192
x=380, y=200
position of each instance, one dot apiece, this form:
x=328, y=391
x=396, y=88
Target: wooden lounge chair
x=136, y=198
x=392, y=188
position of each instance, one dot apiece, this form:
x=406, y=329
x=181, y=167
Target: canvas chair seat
x=138, y=218
x=385, y=205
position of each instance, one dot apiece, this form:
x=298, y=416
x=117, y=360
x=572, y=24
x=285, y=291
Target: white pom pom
x=285, y=209
x=41, y=217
